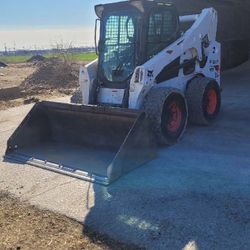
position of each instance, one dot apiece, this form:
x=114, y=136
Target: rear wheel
x=167, y=111
x=204, y=100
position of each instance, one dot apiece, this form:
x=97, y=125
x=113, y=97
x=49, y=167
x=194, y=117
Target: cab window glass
x=161, y=31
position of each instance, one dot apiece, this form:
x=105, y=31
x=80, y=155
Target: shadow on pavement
x=195, y=191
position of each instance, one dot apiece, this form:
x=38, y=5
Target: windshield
x=118, y=41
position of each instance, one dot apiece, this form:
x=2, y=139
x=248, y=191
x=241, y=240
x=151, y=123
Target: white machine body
x=198, y=43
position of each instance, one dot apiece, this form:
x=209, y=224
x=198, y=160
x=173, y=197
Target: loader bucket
x=97, y=144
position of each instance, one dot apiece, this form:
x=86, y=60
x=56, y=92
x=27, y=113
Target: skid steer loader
x=155, y=70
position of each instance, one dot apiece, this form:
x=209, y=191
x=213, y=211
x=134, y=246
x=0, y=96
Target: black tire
x=204, y=100
x=166, y=109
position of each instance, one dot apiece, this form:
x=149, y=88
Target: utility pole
x=5, y=49
x=14, y=48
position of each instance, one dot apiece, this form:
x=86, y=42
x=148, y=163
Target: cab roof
x=142, y=6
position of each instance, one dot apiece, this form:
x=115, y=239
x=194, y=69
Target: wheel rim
x=212, y=101
x=175, y=117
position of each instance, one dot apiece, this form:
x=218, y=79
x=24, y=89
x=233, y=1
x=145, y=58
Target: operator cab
x=131, y=33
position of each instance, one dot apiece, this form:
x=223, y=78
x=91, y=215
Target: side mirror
x=97, y=21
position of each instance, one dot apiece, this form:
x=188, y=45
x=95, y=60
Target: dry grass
x=25, y=227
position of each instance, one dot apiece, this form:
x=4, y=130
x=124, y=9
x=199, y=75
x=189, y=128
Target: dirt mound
x=55, y=74
x=37, y=58
x=3, y=65
x=30, y=82
x=76, y=97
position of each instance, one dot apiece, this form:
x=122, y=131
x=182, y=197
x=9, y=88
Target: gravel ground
x=195, y=193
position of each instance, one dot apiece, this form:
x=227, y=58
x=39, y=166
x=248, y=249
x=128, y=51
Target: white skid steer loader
x=155, y=71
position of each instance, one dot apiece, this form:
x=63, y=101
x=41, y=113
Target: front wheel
x=167, y=111
x=204, y=100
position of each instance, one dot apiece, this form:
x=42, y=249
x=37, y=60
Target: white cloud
x=30, y=38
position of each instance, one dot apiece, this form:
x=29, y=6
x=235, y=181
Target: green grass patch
x=84, y=57
x=14, y=59
x=75, y=57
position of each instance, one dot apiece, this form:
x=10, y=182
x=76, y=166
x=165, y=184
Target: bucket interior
x=78, y=137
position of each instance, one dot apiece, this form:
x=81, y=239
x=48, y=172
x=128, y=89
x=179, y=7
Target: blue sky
x=47, y=12
x=59, y=17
